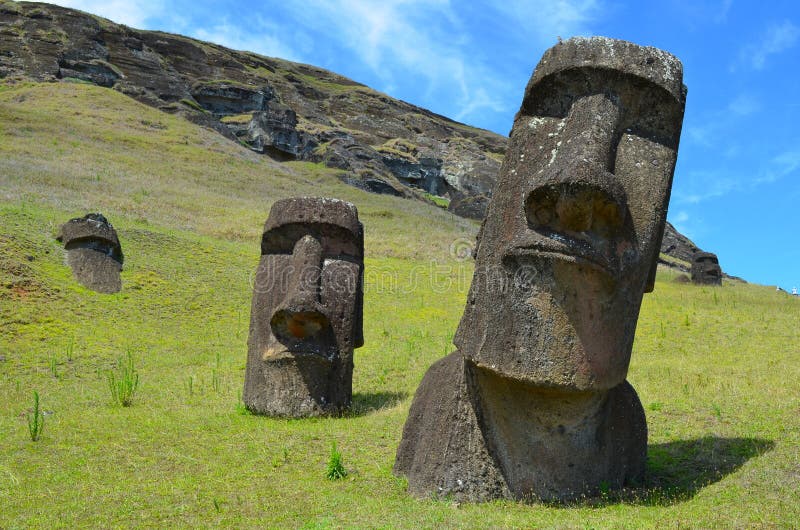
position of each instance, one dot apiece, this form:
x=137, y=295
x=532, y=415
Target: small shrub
x=35, y=420
x=335, y=469
x=123, y=382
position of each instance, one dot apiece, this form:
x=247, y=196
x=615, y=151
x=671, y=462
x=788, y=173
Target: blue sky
x=737, y=183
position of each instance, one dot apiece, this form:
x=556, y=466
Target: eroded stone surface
x=706, y=269
x=306, y=315
x=534, y=402
x=93, y=252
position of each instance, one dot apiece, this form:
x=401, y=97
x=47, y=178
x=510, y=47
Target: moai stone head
x=93, y=252
x=572, y=234
x=706, y=269
x=306, y=315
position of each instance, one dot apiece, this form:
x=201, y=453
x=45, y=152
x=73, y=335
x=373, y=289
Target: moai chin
x=534, y=404
x=306, y=315
x=93, y=252
x=706, y=269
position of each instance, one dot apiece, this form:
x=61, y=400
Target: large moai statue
x=706, y=269
x=93, y=252
x=306, y=315
x=534, y=404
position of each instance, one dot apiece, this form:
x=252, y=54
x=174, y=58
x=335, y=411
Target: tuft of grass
x=241, y=408
x=335, y=469
x=123, y=381
x=35, y=419
x=441, y=202
x=216, y=378
x=54, y=365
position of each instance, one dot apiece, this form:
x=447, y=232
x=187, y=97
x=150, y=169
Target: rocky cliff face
x=284, y=110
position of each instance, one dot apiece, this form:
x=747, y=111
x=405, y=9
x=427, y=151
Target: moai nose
x=581, y=194
x=300, y=316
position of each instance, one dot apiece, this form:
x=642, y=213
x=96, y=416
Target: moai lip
x=706, y=269
x=93, y=252
x=307, y=309
x=534, y=404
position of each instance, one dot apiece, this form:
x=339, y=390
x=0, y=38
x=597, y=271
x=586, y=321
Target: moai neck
x=561, y=430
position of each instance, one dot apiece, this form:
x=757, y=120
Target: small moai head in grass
x=706, y=269
x=306, y=315
x=93, y=252
x=572, y=234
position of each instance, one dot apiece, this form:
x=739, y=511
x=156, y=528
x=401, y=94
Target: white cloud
x=722, y=15
x=681, y=217
x=701, y=135
x=549, y=19
x=402, y=40
x=777, y=38
x=266, y=39
x=744, y=105
x=681, y=222
x=780, y=166
x=705, y=185
x=128, y=12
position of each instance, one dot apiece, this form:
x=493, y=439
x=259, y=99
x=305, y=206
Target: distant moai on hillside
x=94, y=252
x=306, y=315
x=706, y=269
x=534, y=404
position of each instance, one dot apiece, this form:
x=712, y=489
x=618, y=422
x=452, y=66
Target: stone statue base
x=476, y=436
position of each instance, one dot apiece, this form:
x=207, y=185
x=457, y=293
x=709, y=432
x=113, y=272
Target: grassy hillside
x=716, y=368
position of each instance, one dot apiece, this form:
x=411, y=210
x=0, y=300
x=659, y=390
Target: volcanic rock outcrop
x=282, y=109
x=306, y=316
x=93, y=252
x=534, y=404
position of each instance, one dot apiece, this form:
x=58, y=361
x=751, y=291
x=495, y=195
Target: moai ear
x=358, y=320
x=651, y=278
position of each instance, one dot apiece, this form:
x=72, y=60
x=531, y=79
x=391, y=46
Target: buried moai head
x=306, y=315
x=706, y=269
x=93, y=252
x=573, y=231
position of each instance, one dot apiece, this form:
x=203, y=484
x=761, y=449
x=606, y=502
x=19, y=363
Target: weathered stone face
x=534, y=403
x=573, y=230
x=306, y=315
x=706, y=269
x=93, y=252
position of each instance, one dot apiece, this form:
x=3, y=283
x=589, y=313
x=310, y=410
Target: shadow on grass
x=365, y=402
x=676, y=471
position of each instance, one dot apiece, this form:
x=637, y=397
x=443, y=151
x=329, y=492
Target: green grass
x=720, y=392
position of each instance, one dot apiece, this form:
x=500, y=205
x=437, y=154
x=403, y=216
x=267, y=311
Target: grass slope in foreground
x=716, y=368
